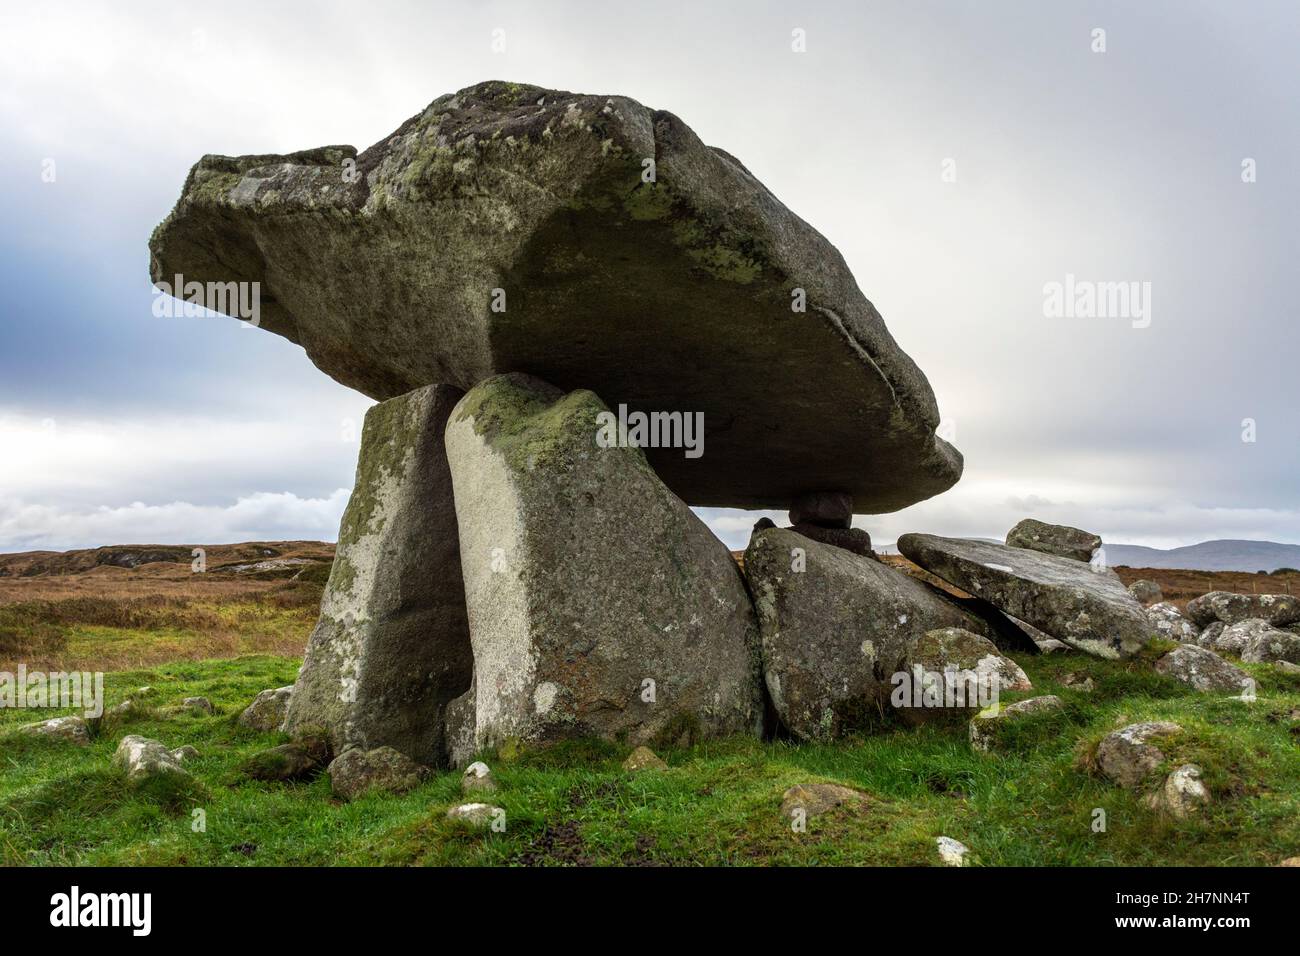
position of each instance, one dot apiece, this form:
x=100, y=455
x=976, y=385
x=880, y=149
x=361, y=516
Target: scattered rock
x=478, y=815
x=959, y=666
x=1270, y=646
x=1209, y=637
x=477, y=777
x=815, y=799
x=1203, y=670
x=1182, y=793
x=1286, y=667
x=1128, y=757
x=1056, y=539
x=1291, y=861
x=705, y=257
x=951, y=852
x=296, y=760
x=984, y=726
x=1233, y=638
x=185, y=753
x=1146, y=591
x=1277, y=609
x=200, y=704
x=826, y=509
x=391, y=648
x=72, y=729
x=643, y=758
x=1053, y=646
x=1086, y=608
x=836, y=628
x=1170, y=623
x=599, y=604
x=358, y=771
x=1079, y=682
x=267, y=711
x=143, y=759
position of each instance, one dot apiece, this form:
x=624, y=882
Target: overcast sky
x=1117, y=166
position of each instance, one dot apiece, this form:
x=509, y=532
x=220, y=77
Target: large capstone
x=1085, y=606
x=598, y=244
x=599, y=604
x=841, y=632
x=391, y=648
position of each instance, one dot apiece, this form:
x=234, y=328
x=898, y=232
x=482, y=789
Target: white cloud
x=265, y=516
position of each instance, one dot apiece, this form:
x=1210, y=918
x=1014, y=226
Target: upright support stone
x=599, y=604
x=391, y=648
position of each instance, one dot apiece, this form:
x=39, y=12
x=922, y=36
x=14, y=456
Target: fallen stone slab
x=1057, y=539
x=1086, y=608
x=511, y=227
x=837, y=629
x=1276, y=609
x=1128, y=756
x=599, y=604
x=391, y=648
x=1203, y=670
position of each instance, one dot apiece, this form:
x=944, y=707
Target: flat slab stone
x=391, y=649
x=599, y=604
x=1087, y=608
x=509, y=228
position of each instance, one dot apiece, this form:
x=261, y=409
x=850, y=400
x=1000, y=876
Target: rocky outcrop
x=1057, y=539
x=1203, y=670
x=500, y=229
x=1087, y=608
x=837, y=630
x=599, y=604
x=1277, y=609
x=391, y=649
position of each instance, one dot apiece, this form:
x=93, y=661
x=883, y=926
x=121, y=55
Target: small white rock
x=951, y=852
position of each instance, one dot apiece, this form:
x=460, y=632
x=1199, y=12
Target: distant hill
x=1223, y=555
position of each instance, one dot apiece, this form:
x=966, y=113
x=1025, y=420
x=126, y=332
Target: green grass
x=1031, y=803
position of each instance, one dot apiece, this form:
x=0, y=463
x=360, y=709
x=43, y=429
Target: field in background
x=241, y=627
